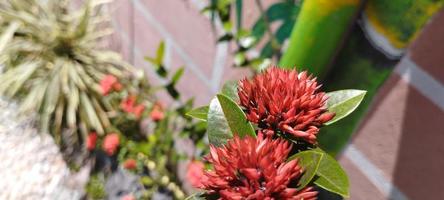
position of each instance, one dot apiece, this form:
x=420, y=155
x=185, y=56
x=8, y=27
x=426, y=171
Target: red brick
x=360, y=187
x=428, y=50
x=402, y=136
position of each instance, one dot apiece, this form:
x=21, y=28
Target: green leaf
x=235, y=117
x=343, y=102
x=196, y=196
x=225, y=117
x=331, y=175
x=230, y=90
x=238, y=14
x=200, y=113
x=218, y=129
x=160, y=53
x=309, y=161
x=177, y=75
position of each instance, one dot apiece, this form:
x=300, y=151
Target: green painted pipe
x=317, y=33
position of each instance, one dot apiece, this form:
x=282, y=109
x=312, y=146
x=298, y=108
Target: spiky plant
x=53, y=64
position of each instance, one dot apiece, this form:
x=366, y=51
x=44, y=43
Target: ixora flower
x=108, y=84
x=254, y=168
x=195, y=173
x=157, y=113
x=130, y=164
x=285, y=100
x=129, y=105
x=110, y=143
x=91, y=141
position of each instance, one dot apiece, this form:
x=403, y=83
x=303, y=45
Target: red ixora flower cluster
x=254, y=168
x=285, y=100
x=109, y=83
x=129, y=105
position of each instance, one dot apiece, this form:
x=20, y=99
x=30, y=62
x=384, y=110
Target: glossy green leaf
x=200, y=113
x=236, y=118
x=343, y=102
x=309, y=161
x=230, y=90
x=218, y=130
x=225, y=117
x=331, y=175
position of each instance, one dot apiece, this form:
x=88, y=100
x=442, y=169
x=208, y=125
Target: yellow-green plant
x=52, y=63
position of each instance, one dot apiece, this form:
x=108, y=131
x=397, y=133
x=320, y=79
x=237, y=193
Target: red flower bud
x=128, y=197
x=109, y=83
x=130, y=164
x=110, y=143
x=91, y=141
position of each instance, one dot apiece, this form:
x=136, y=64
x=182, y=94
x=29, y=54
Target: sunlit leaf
x=200, y=113
x=343, y=102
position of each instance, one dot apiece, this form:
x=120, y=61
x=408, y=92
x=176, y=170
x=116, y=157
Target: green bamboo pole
x=319, y=29
x=362, y=66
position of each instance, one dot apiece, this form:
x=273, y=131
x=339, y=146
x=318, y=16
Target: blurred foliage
x=261, y=36
x=156, y=141
x=52, y=62
x=95, y=188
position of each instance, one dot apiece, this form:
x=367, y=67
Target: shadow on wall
x=419, y=165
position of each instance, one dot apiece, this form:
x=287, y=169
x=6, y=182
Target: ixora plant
x=263, y=138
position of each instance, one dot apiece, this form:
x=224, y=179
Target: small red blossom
x=254, y=168
x=109, y=83
x=130, y=164
x=128, y=197
x=91, y=141
x=138, y=110
x=110, y=143
x=285, y=100
x=129, y=105
x=195, y=173
x=157, y=113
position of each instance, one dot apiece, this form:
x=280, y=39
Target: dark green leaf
x=235, y=116
x=309, y=161
x=230, y=90
x=172, y=91
x=225, y=37
x=238, y=14
x=343, y=102
x=331, y=175
x=200, y=113
x=284, y=31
